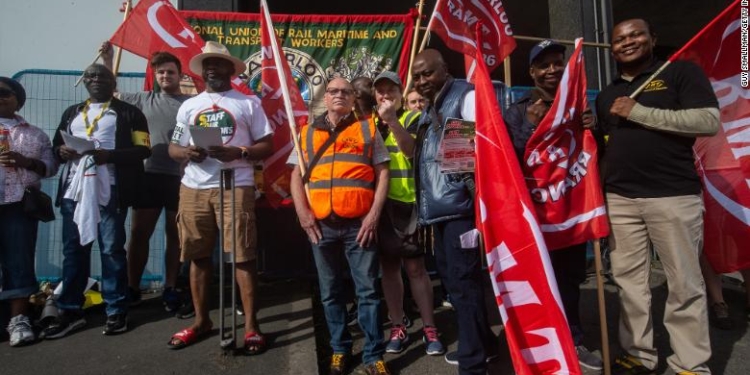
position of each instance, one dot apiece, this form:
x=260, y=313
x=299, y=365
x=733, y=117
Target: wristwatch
x=245, y=154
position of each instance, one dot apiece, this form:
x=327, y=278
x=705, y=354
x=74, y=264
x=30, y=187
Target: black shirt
x=643, y=163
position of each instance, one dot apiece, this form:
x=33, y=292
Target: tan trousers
x=674, y=225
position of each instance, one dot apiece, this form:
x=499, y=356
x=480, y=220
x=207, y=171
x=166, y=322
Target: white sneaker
x=20, y=330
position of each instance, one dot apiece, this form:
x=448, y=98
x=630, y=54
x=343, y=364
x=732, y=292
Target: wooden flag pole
x=420, y=5
x=643, y=86
x=506, y=71
x=119, y=51
x=602, y=306
x=78, y=81
x=429, y=26
x=118, y=54
x=284, y=90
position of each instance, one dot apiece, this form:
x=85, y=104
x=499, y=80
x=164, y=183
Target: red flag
x=153, y=26
x=522, y=277
x=276, y=176
x=723, y=161
x=456, y=20
x=561, y=168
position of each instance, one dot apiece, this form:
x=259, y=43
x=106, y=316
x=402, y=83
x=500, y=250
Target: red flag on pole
x=276, y=176
x=561, y=168
x=723, y=161
x=520, y=270
x=455, y=22
x=153, y=26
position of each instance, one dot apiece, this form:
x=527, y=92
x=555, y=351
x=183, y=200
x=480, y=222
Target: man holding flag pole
x=446, y=203
x=527, y=117
x=518, y=262
x=653, y=196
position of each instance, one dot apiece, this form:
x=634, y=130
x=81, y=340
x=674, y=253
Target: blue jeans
x=339, y=242
x=461, y=273
x=17, y=249
x=77, y=262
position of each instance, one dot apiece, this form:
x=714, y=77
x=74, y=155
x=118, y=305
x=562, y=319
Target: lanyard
x=90, y=127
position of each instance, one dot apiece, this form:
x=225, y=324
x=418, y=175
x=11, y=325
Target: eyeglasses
x=6, y=93
x=99, y=76
x=335, y=91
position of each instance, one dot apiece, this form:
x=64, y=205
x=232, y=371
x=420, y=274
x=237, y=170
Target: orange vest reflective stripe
x=343, y=180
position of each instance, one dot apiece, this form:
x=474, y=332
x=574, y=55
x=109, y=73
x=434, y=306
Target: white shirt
x=103, y=136
x=243, y=123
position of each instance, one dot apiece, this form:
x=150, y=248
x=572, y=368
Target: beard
x=218, y=84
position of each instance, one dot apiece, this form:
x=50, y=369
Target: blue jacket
x=440, y=197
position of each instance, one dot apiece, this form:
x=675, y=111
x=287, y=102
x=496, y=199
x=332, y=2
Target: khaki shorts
x=198, y=222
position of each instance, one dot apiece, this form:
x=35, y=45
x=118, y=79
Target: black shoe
x=187, y=311
x=719, y=316
x=116, y=324
x=452, y=358
x=68, y=321
x=172, y=299
x=134, y=297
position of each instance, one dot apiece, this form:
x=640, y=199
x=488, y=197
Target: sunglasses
x=335, y=91
x=6, y=93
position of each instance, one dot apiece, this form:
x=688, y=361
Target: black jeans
x=462, y=275
x=569, y=264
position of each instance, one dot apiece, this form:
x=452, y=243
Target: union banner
x=317, y=47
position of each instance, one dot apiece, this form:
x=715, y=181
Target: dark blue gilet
x=440, y=196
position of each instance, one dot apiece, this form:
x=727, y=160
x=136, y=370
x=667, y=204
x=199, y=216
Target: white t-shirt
x=103, y=136
x=243, y=123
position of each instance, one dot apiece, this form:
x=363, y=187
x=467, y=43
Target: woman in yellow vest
x=397, y=232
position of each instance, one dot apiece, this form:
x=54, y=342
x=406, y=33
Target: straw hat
x=215, y=49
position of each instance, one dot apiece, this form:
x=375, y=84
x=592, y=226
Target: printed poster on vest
x=561, y=168
x=723, y=161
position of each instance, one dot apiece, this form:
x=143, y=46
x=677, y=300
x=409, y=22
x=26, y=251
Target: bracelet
x=244, y=153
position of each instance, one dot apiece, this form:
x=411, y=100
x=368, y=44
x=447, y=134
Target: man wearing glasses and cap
x=546, y=66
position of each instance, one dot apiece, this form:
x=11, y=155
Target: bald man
x=446, y=203
x=346, y=165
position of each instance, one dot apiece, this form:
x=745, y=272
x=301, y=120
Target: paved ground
x=287, y=316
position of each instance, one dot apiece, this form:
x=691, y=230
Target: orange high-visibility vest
x=343, y=180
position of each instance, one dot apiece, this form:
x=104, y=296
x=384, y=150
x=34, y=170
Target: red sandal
x=255, y=343
x=186, y=337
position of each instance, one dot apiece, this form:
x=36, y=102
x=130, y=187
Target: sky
x=59, y=34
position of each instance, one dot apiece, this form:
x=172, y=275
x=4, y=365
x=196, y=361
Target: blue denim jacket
x=440, y=196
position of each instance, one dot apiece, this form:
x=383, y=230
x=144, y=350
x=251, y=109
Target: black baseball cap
x=545, y=46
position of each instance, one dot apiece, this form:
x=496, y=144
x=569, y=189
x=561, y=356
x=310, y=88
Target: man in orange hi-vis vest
x=347, y=176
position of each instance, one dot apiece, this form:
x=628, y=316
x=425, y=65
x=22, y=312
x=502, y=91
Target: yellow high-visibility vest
x=401, y=186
